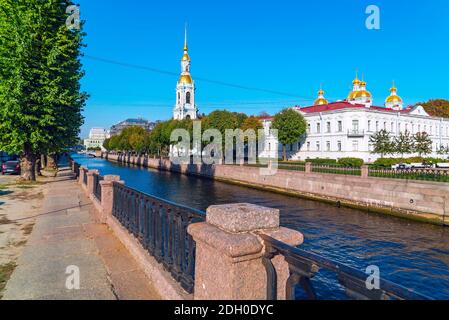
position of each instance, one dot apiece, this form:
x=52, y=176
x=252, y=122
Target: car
x=401, y=166
x=11, y=167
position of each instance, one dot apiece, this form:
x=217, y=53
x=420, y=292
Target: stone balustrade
x=229, y=250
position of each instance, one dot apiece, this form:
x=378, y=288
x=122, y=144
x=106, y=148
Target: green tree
x=381, y=143
x=436, y=107
x=422, y=143
x=40, y=70
x=106, y=144
x=291, y=125
x=403, y=144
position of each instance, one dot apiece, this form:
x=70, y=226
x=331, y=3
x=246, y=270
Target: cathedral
x=185, y=107
x=343, y=128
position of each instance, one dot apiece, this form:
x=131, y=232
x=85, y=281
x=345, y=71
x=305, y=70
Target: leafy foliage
x=40, y=70
x=422, y=143
x=381, y=143
x=291, y=125
x=436, y=107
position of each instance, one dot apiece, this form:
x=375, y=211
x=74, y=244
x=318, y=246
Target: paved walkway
x=67, y=233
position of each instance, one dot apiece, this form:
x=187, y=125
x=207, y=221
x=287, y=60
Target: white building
x=185, y=107
x=97, y=136
x=343, y=129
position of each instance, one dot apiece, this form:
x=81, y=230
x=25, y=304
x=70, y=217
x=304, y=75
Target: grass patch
x=3, y=187
x=5, y=273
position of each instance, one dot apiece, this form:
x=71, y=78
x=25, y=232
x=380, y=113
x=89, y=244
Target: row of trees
x=289, y=123
x=405, y=143
x=40, y=71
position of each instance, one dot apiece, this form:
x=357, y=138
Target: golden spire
x=394, y=99
x=186, y=56
x=186, y=48
x=356, y=80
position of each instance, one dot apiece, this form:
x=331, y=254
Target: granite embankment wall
x=419, y=200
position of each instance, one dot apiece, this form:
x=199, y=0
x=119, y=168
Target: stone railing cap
x=242, y=217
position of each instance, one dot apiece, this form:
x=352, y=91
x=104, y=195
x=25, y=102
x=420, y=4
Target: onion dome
x=321, y=99
x=393, y=99
x=185, y=79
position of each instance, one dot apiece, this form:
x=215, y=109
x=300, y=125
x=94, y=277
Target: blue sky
x=286, y=46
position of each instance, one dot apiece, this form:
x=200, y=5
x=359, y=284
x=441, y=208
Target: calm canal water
x=412, y=254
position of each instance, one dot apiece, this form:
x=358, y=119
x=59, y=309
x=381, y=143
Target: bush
x=351, y=162
x=322, y=161
x=387, y=162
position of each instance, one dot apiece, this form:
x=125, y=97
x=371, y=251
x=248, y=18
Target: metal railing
x=293, y=166
x=161, y=228
x=85, y=176
x=336, y=169
x=436, y=175
x=97, y=186
x=303, y=266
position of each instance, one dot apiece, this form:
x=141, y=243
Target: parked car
x=401, y=166
x=11, y=167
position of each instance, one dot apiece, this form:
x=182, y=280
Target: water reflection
x=413, y=254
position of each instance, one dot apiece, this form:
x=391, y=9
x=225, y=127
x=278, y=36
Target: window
x=188, y=97
x=328, y=127
x=318, y=146
x=355, y=145
x=299, y=146
x=318, y=127
x=369, y=125
x=339, y=145
x=340, y=126
x=355, y=125
x=269, y=147
x=385, y=126
x=328, y=146
x=431, y=130
x=179, y=97
x=392, y=127
x=377, y=126
x=406, y=127
x=308, y=146
x=308, y=128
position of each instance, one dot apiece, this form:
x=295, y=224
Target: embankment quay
x=413, y=199
x=414, y=255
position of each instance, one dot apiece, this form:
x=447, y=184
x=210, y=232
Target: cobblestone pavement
x=67, y=237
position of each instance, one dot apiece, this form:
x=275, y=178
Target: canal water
x=412, y=254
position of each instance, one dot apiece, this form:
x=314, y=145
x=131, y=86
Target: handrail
x=161, y=228
x=304, y=265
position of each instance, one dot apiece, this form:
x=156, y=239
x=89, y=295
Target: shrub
x=351, y=162
x=387, y=162
x=322, y=161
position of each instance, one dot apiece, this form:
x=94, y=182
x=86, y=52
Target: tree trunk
x=52, y=162
x=284, y=152
x=38, y=166
x=43, y=161
x=27, y=165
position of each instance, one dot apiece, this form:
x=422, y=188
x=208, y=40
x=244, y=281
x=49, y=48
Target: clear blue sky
x=287, y=46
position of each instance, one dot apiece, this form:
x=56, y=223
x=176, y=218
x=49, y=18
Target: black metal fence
x=336, y=169
x=161, y=228
x=97, y=186
x=437, y=175
x=304, y=266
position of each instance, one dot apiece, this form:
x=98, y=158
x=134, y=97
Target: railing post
x=228, y=263
x=308, y=167
x=90, y=182
x=365, y=171
x=81, y=177
x=107, y=196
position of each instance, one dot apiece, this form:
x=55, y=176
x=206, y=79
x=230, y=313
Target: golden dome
x=185, y=57
x=356, y=81
x=352, y=95
x=320, y=101
x=394, y=99
x=363, y=94
x=186, y=79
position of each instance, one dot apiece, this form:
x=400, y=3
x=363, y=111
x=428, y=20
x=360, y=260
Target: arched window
x=179, y=97
x=188, y=97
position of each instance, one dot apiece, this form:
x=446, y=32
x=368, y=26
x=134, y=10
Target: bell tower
x=185, y=107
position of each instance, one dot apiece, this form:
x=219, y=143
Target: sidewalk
x=67, y=234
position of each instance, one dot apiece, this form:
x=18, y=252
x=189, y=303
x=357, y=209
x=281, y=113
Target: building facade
x=97, y=136
x=185, y=107
x=343, y=129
